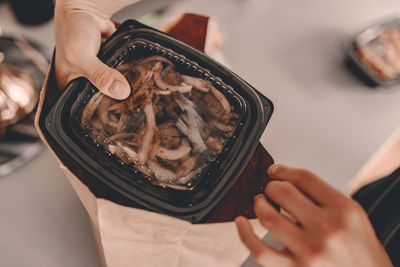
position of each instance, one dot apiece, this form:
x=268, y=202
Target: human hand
x=79, y=28
x=329, y=229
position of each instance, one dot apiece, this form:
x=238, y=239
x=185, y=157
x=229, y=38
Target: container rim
x=55, y=123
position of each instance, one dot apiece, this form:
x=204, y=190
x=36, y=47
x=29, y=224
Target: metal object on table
x=18, y=95
x=22, y=73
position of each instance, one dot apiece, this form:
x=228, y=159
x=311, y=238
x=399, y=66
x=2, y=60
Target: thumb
x=108, y=80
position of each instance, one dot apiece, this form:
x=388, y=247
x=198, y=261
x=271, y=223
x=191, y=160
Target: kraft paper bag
x=128, y=236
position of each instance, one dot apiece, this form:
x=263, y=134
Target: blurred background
x=325, y=118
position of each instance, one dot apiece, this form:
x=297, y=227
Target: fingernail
x=273, y=168
x=237, y=220
x=257, y=197
x=117, y=90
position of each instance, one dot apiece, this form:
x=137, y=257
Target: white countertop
x=325, y=119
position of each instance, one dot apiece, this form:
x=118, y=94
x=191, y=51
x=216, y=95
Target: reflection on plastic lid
x=170, y=126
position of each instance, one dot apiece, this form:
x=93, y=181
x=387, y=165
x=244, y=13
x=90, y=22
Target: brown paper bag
x=128, y=236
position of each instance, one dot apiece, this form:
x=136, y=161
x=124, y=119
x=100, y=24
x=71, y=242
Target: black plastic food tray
x=222, y=172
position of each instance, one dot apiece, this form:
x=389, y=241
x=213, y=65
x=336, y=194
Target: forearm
x=103, y=8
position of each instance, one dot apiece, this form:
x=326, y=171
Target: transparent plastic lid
x=176, y=121
x=379, y=49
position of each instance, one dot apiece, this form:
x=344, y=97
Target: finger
x=108, y=80
x=293, y=201
x=286, y=231
x=78, y=49
x=310, y=184
x=107, y=28
x=260, y=251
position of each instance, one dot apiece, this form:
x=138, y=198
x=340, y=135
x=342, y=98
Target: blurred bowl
x=22, y=72
x=18, y=94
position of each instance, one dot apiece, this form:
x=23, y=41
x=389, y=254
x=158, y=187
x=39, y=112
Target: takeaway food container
x=181, y=139
x=374, y=54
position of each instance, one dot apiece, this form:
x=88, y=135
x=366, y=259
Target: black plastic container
x=371, y=37
x=133, y=39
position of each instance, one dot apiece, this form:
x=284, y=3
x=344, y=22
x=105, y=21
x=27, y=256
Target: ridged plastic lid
x=177, y=119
